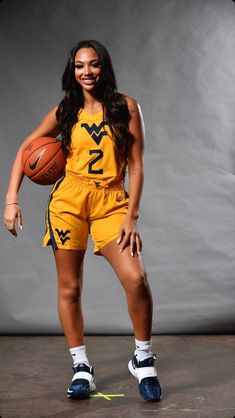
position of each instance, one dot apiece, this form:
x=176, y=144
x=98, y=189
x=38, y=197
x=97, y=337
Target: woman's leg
x=132, y=275
x=69, y=265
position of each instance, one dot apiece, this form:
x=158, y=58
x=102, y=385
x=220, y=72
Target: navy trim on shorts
x=53, y=241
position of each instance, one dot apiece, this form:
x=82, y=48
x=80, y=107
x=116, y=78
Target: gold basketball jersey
x=93, y=150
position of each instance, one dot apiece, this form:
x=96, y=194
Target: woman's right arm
x=48, y=127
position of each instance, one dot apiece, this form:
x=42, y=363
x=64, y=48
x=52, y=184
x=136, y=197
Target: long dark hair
x=115, y=109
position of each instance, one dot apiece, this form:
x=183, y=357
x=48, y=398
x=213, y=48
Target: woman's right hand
x=12, y=213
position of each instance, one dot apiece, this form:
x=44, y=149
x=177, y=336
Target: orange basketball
x=43, y=160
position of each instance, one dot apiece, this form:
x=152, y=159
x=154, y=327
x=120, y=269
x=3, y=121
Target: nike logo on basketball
x=62, y=235
x=33, y=166
x=95, y=131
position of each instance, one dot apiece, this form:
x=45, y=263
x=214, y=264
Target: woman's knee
x=70, y=290
x=137, y=282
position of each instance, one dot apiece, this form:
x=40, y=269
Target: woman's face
x=87, y=68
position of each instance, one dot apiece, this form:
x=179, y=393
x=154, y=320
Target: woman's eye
x=95, y=65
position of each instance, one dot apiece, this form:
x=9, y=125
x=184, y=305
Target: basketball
x=43, y=160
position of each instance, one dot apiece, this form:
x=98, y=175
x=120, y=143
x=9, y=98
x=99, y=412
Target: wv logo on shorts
x=95, y=131
x=62, y=234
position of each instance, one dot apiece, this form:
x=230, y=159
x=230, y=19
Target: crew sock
x=143, y=349
x=79, y=355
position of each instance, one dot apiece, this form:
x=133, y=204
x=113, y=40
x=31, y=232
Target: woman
x=103, y=133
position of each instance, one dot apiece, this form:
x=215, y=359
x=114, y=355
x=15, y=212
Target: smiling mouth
x=88, y=80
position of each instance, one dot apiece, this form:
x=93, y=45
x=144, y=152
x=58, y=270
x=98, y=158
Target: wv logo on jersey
x=62, y=234
x=97, y=183
x=95, y=131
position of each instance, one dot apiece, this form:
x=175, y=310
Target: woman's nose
x=87, y=70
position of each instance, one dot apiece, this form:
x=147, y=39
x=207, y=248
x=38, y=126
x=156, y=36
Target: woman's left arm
x=128, y=234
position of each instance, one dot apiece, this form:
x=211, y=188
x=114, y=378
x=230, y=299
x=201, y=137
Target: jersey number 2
x=100, y=154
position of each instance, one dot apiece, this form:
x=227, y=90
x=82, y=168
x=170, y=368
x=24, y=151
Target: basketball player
x=103, y=134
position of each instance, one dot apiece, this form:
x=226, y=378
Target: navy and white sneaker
x=82, y=383
x=146, y=373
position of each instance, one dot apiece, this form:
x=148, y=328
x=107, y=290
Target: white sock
x=79, y=355
x=143, y=349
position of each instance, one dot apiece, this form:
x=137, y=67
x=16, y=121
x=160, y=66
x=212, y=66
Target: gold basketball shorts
x=79, y=206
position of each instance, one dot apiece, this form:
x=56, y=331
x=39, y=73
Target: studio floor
x=197, y=373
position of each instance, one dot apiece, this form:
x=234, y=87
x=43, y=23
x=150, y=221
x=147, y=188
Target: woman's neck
x=91, y=103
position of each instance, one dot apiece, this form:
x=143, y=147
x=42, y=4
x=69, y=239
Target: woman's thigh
x=130, y=270
x=69, y=265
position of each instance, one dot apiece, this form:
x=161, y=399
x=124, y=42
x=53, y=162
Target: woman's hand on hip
x=129, y=236
x=12, y=213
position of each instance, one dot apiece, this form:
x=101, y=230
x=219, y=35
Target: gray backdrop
x=177, y=58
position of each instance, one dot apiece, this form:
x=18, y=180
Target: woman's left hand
x=128, y=235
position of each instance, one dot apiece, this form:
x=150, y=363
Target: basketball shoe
x=146, y=373
x=82, y=382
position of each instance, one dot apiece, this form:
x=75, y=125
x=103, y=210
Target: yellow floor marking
x=107, y=396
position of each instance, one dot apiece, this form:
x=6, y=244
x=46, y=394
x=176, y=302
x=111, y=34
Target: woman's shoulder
x=132, y=103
